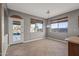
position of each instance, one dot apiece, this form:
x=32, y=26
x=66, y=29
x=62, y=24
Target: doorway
x=16, y=30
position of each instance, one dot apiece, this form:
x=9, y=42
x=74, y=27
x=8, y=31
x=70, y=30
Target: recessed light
x=48, y=12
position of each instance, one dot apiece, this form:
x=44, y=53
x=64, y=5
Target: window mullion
x=58, y=26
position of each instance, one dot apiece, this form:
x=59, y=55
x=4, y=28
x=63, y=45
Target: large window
x=32, y=29
x=36, y=26
x=59, y=26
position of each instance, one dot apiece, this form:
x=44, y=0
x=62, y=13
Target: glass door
x=16, y=31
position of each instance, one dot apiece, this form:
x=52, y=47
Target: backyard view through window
x=36, y=26
x=60, y=26
x=16, y=31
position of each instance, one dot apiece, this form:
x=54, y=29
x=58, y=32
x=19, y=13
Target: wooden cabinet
x=73, y=46
x=73, y=49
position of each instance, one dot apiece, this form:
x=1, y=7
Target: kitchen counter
x=73, y=46
x=73, y=39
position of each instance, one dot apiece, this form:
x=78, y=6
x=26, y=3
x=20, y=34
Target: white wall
x=73, y=29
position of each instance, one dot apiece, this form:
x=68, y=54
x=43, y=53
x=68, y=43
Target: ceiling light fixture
x=48, y=12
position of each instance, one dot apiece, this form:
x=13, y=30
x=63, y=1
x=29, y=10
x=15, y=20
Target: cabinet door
x=73, y=49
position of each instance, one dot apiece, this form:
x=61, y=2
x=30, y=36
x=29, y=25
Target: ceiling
x=41, y=9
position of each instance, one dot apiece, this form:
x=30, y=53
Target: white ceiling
x=40, y=9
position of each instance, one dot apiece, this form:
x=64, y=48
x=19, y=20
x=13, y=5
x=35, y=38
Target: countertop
x=73, y=39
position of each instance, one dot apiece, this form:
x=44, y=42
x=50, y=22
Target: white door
x=16, y=30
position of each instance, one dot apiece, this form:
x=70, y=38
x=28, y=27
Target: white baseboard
x=32, y=40
x=64, y=41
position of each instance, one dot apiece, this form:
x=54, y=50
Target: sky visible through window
x=59, y=25
x=39, y=25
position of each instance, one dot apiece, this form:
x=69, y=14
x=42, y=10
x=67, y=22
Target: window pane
x=39, y=26
x=32, y=28
x=63, y=25
x=55, y=25
x=60, y=26
x=16, y=30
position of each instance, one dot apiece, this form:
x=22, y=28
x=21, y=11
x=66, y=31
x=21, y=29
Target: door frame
x=10, y=31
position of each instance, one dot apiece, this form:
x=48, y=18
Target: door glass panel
x=16, y=31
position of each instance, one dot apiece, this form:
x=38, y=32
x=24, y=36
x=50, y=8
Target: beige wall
x=0, y=29
x=5, y=20
x=73, y=29
x=27, y=18
x=4, y=23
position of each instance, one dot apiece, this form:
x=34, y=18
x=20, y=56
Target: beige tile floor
x=42, y=47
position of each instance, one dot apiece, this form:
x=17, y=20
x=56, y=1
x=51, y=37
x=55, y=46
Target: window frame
x=60, y=20
x=35, y=22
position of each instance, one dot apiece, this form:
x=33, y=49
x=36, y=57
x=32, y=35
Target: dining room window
x=59, y=26
x=36, y=25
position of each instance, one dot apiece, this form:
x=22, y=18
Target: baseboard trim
x=33, y=40
x=64, y=41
